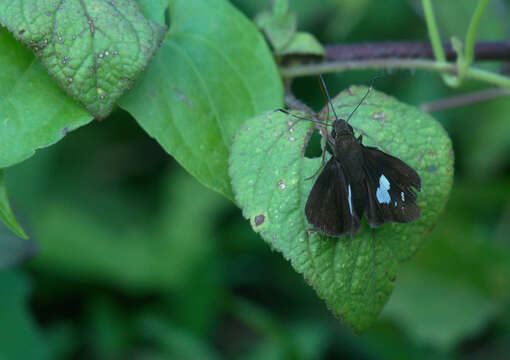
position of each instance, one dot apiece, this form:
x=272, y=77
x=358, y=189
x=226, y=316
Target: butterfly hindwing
x=390, y=183
x=330, y=205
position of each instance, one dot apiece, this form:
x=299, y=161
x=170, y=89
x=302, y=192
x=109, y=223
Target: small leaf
x=6, y=214
x=354, y=276
x=305, y=44
x=214, y=71
x=94, y=49
x=279, y=28
x=34, y=112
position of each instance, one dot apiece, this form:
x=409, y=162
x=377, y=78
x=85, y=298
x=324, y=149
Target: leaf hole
x=313, y=147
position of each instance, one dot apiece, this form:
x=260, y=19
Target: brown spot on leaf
x=259, y=220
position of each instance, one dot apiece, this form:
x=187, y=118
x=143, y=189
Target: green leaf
x=303, y=43
x=153, y=239
x=354, y=276
x=94, y=49
x=154, y=9
x=19, y=337
x=34, y=112
x=279, y=28
x=422, y=304
x=6, y=214
x=214, y=71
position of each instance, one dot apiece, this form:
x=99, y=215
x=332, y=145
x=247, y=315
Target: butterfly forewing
x=390, y=183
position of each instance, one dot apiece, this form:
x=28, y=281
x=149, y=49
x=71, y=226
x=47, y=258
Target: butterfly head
x=341, y=129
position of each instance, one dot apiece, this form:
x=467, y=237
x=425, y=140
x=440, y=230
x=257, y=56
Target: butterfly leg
x=323, y=162
x=310, y=232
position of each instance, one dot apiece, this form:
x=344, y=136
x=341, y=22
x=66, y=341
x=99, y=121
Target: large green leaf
x=94, y=49
x=34, y=112
x=355, y=276
x=214, y=71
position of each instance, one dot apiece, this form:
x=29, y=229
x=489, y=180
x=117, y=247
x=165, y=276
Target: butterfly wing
x=389, y=183
x=329, y=208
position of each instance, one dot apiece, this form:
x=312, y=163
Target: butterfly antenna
x=325, y=98
x=300, y=117
x=364, y=96
x=325, y=93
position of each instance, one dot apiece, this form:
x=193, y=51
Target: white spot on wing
x=403, y=196
x=383, y=196
x=349, y=199
x=395, y=204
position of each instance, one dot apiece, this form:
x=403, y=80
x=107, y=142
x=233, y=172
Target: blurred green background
x=136, y=260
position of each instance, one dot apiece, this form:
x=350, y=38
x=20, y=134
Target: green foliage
x=154, y=9
x=173, y=343
x=354, y=276
x=93, y=49
x=303, y=43
x=440, y=303
x=6, y=214
x=487, y=142
x=279, y=26
x=422, y=305
x=151, y=247
x=138, y=260
x=204, y=82
x=34, y=112
x=19, y=338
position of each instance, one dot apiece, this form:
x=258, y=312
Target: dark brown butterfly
x=360, y=181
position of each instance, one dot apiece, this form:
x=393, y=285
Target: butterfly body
x=360, y=181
